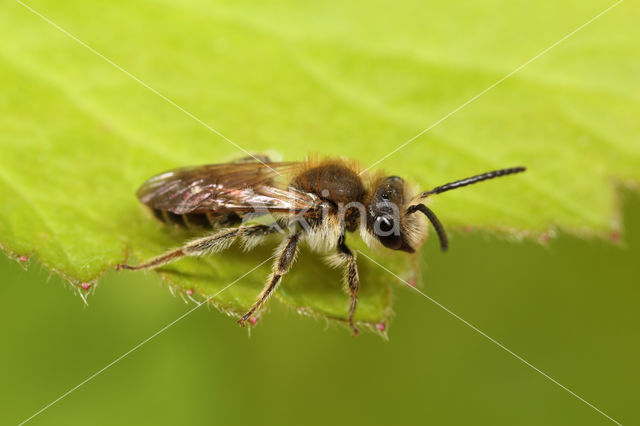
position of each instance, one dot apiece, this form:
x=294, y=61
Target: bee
x=316, y=201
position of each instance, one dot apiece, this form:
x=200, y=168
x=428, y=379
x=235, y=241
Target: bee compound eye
x=384, y=225
x=387, y=232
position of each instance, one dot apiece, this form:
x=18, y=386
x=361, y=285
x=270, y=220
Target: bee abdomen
x=197, y=220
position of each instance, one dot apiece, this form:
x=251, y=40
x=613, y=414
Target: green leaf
x=78, y=135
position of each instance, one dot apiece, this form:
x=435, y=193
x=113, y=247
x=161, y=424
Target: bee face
x=385, y=214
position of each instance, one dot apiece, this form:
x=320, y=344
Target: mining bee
x=316, y=201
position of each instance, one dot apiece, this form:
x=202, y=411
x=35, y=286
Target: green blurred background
x=345, y=79
x=570, y=308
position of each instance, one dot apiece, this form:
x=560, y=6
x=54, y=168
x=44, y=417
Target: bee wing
x=242, y=187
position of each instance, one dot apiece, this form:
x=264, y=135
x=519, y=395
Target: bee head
x=386, y=216
x=391, y=210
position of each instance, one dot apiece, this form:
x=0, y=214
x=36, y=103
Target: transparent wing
x=241, y=187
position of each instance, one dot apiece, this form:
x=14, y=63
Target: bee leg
x=351, y=278
x=215, y=243
x=286, y=255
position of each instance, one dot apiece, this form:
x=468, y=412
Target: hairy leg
x=215, y=243
x=351, y=278
x=286, y=255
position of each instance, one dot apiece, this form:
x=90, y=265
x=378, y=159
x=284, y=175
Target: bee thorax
x=333, y=182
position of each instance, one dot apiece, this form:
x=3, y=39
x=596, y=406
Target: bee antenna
x=442, y=235
x=471, y=180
